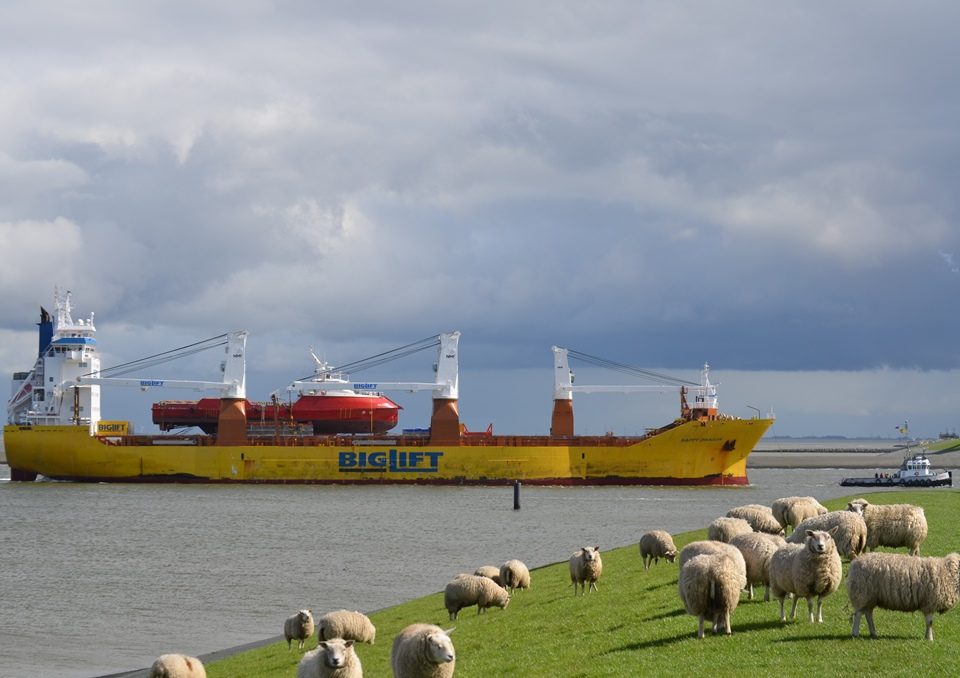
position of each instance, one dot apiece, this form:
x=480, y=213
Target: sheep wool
x=423, y=651
x=709, y=586
x=515, y=575
x=346, y=624
x=468, y=589
x=759, y=516
x=586, y=566
x=894, y=581
x=490, y=572
x=809, y=570
x=298, y=627
x=331, y=659
x=757, y=548
x=791, y=511
x=654, y=545
x=850, y=536
x=696, y=548
x=892, y=525
x=725, y=528
x=177, y=666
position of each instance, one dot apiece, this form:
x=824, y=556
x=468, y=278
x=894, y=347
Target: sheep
x=515, y=575
x=895, y=581
x=490, y=572
x=710, y=584
x=892, y=525
x=298, y=627
x=586, y=566
x=696, y=548
x=759, y=516
x=347, y=625
x=725, y=528
x=791, y=511
x=757, y=548
x=655, y=545
x=333, y=658
x=423, y=651
x=177, y=666
x=850, y=537
x=808, y=570
x=468, y=589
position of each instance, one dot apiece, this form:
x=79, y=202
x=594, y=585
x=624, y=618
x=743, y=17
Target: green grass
x=636, y=625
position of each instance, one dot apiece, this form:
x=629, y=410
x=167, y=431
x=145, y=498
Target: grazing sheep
x=709, y=586
x=515, y=575
x=331, y=659
x=347, y=625
x=791, y=511
x=586, y=566
x=696, y=548
x=757, y=549
x=725, y=528
x=807, y=570
x=759, y=516
x=490, y=572
x=469, y=589
x=894, y=581
x=892, y=525
x=298, y=627
x=423, y=651
x=655, y=545
x=850, y=537
x=177, y=666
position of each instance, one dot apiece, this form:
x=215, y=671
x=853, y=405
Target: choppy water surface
x=103, y=578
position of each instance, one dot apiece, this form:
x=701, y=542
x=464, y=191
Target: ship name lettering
x=366, y=387
x=391, y=461
x=151, y=382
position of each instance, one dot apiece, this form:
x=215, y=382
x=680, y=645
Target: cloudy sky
x=767, y=187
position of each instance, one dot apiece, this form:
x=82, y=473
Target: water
x=104, y=578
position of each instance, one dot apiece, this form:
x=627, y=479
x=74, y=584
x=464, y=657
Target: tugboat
x=914, y=472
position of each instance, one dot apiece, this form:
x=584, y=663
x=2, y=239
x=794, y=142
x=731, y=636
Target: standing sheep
x=515, y=575
x=791, y=511
x=586, y=566
x=655, y=545
x=759, y=516
x=808, y=570
x=468, y=589
x=423, y=651
x=725, y=528
x=709, y=586
x=850, y=535
x=892, y=525
x=757, y=549
x=331, y=659
x=894, y=581
x=298, y=627
x=490, y=572
x=177, y=666
x=696, y=548
x=347, y=625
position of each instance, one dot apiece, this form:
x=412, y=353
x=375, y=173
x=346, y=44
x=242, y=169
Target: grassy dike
x=636, y=625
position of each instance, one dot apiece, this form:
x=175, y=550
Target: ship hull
x=690, y=453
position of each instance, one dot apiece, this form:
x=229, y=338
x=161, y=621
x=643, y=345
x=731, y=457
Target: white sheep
x=468, y=589
x=331, y=659
x=725, y=528
x=586, y=566
x=490, y=572
x=892, y=525
x=759, y=516
x=894, y=581
x=350, y=625
x=808, y=570
x=515, y=575
x=298, y=627
x=709, y=586
x=850, y=536
x=654, y=545
x=423, y=651
x=709, y=547
x=757, y=549
x=177, y=666
x=791, y=511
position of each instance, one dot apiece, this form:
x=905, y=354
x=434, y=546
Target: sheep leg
x=782, y=616
x=750, y=591
x=793, y=610
x=929, y=619
x=594, y=587
x=700, y=627
x=766, y=594
x=869, y=615
x=820, y=609
x=726, y=622
x=855, y=631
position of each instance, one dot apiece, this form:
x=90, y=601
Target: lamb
x=710, y=585
x=655, y=545
x=423, y=651
x=759, y=516
x=892, y=525
x=850, y=537
x=808, y=570
x=725, y=528
x=177, y=666
x=298, y=627
x=490, y=572
x=469, y=589
x=894, y=581
x=791, y=511
x=515, y=575
x=757, y=549
x=331, y=659
x=586, y=566
x=347, y=625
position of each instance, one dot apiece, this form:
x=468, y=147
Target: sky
x=770, y=188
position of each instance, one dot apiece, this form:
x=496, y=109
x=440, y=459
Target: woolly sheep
x=515, y=575
x=298, y=627
x=490, y=572
x=177, y=666
x=347, y=625
x=808, y=570
x=759, y=516
x=586, y=566
x=791, y=511
x=696, y=548
x=894, y=581
x=654, y=545
x=757, y=549
x=850, y=537
x=468, y=589
x=423, y=651
x=725, y=528
x=892, y=525
x=709, y=585
x=331, y=659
